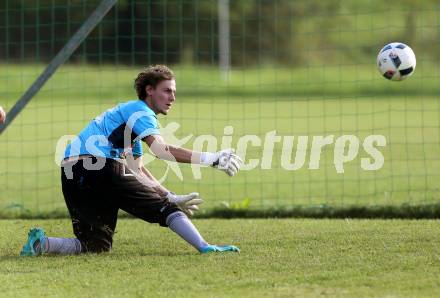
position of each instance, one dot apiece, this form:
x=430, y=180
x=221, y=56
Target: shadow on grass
x=404, y=211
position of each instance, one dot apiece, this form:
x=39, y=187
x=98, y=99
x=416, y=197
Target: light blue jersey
x=104, y=136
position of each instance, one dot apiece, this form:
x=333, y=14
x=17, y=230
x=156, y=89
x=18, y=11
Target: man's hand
x=224, y=160
x=188, y=203
x=2, y=115
x=228, y=162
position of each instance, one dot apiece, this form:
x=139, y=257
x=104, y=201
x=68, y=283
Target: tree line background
x=293, y=33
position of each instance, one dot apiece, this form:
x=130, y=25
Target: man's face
x=162, y=97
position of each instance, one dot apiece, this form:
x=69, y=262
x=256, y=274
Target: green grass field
x=279, y=258
x=317, y=101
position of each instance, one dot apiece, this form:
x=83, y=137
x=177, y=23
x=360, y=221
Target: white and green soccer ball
x=396, y=61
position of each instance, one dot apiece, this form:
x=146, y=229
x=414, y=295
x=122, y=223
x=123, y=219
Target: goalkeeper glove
x=224, y=160
x=187, y=203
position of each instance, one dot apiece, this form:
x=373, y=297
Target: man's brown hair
x=152, y=75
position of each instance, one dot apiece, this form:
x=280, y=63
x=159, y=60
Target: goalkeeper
x=103, y=172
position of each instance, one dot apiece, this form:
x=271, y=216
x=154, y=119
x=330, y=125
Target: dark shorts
x=94, y=197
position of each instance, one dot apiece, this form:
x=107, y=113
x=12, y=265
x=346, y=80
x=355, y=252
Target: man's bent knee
x=96, y=239
x=96, y=245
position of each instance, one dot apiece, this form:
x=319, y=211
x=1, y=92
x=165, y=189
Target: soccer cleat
x=219, y=248
x=36, y=240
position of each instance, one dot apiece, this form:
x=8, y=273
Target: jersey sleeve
x=144, y=126
x=142, y=122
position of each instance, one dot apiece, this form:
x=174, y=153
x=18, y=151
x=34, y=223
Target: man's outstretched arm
x=224, y=160
x=168, y=152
